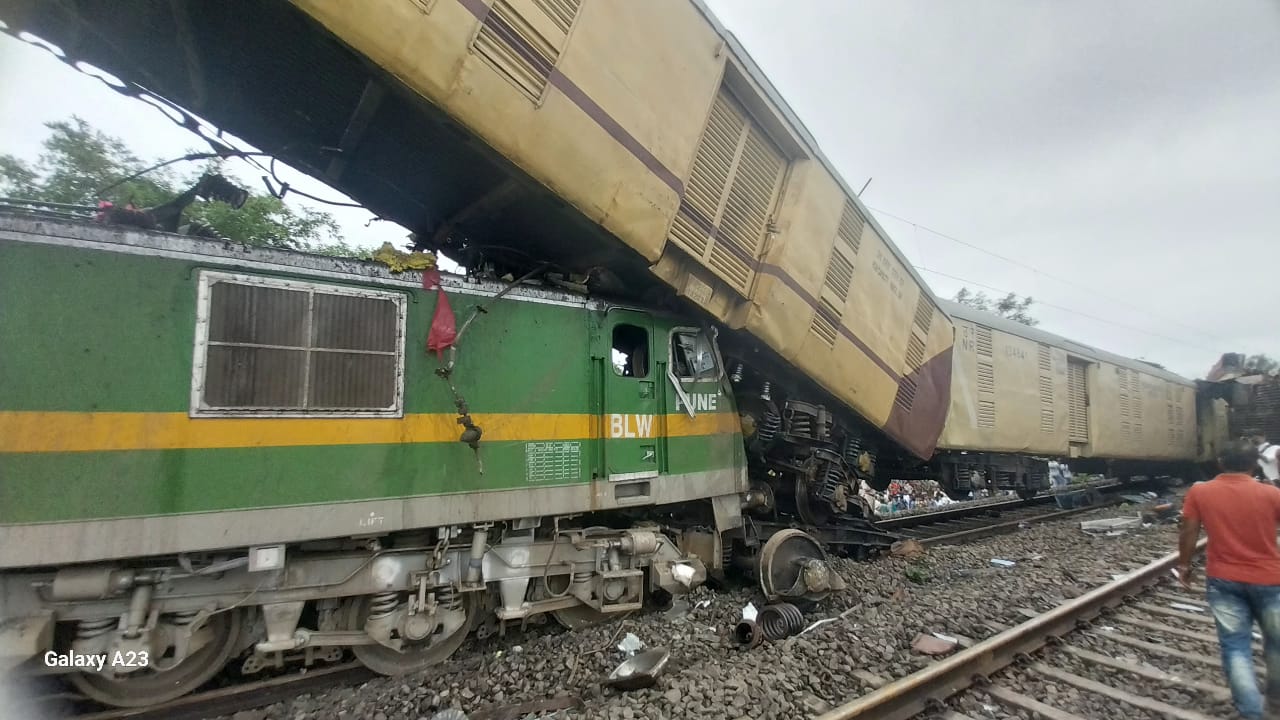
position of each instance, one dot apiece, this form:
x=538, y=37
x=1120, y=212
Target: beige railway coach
x=1017, y=389
x=650, y=119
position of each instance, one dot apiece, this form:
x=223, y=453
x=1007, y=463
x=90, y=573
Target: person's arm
x=1188, y=535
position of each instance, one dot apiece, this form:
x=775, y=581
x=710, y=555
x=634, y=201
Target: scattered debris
x=1186, y=607
x=1109, y=525
x=640, y=671
x=399, y=261
x=909, y=549
x=780, y=621
x=1002, y=563
x=931, y=645
x=918, y=572
x=748, y=633
x=683, y=574
x=679, y=608
x=631, y=644
x=749, y=612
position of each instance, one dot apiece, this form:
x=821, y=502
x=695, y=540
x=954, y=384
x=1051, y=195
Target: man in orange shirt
x=1242, y=574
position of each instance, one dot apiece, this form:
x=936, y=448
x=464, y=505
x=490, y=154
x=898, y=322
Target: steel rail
x=909, y=696
x=1010, y=525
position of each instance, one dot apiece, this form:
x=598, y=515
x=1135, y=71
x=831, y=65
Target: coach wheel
x=215, y=641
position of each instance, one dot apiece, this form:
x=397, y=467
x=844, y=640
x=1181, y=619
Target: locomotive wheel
x=779, y=564
x=416, y=656
x=141, y=688
x=813, y=512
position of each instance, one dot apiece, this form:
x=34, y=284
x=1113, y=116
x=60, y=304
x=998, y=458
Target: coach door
x=631, y=424
x=1077, y=402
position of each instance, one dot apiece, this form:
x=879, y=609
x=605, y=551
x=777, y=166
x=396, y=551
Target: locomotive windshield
x=693, y=356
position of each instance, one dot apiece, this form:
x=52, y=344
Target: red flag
x=444, y=329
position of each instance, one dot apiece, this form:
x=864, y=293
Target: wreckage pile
x=896, y=614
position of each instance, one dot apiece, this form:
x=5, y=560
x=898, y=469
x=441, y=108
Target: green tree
x=78, y=160
x=1261, y=363
x=1010, y=306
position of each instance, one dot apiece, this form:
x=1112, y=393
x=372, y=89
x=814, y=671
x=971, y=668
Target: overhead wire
x=1043, y=273
x=1065, y=309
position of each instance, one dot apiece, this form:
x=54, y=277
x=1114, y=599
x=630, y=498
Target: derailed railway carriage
x=209, y=452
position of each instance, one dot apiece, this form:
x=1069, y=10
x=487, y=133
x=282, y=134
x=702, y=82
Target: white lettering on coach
x=630, y=426
x=700, y=401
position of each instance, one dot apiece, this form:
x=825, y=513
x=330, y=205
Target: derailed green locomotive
x=211, y=452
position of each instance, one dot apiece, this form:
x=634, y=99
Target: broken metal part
x=785, y=568
x=748, y=633
x=779, y=621
x=640, y=671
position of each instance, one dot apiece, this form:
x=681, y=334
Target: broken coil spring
x=780, y=621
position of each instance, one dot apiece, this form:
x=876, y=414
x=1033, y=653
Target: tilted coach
x=635, y=143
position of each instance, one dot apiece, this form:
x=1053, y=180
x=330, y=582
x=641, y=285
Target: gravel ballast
x=953, y=590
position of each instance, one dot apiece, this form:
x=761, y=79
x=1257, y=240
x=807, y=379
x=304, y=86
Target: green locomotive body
x=195, y=434
x=160, y=390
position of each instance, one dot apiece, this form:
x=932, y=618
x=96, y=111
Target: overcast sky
x=1123, y=157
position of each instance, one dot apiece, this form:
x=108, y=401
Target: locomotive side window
x=630, y=351
x=281, y=347
x=693, y=357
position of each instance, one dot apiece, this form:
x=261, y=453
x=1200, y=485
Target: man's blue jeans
x=1236, y=606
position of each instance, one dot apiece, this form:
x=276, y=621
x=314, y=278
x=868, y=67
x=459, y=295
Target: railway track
x=951, y=526
x=1075, y=646
x=964, y=529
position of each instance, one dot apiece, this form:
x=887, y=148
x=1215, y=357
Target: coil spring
x=447, y=598
x=780, y=621
x=183, y=618
x=383, y=604
x=853, y=450
x=769, y=426
x=800, y=425
x=832, y=479
x=86, y=629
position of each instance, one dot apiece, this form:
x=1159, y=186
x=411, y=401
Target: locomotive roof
x=90, y=235
x=991, y=320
